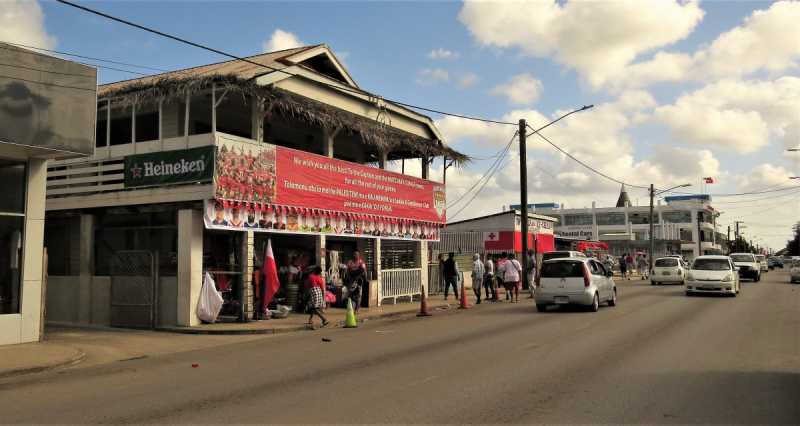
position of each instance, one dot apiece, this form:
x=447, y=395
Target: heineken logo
x=163, y=169
x=168, y=167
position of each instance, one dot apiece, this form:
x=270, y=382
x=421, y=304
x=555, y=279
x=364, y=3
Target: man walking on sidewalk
x=531, y=273
x=511, y=272
x=623, y=267
x=478, y=272
x=450, y=272
x=488, y=280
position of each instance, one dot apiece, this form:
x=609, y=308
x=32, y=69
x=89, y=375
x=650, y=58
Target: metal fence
x=399, y=283
x=133, y=289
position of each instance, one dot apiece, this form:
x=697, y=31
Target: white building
x=46, y=112
x=690, y=219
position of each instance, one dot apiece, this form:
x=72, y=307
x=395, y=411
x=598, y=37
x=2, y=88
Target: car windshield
x=562, y=270
x=796, y=264
x=666, y=263
x=759, y=257
x=742, y=258
x=710, y=264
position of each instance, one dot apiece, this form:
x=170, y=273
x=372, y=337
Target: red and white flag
x=708, y=180
x=270, y=276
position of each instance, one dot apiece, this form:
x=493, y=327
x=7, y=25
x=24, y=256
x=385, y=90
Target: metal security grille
x=133, y=289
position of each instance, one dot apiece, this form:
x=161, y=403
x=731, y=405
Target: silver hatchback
x=574, y=281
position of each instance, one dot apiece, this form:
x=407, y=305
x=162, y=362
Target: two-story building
x=196, y=169
x=47, y=111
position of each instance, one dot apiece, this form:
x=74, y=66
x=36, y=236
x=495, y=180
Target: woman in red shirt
x=316, y=287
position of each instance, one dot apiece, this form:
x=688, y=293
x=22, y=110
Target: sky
x=681, y=90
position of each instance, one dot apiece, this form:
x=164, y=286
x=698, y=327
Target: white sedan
x=668, y=270
x=712, y=274
x=795, y=271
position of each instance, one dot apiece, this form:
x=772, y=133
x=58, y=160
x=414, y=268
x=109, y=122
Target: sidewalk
x=299, y=321
x=16, y=360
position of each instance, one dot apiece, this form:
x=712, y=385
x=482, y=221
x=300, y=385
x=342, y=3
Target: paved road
x=657, y=357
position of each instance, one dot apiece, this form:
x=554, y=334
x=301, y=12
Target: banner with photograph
x=281, y=176
x=248, y=217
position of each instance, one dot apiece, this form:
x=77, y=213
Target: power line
x=219, y=52
x=756, y=199
x=87, y=57
x=48, y=84
x=766, y=210
x=482, y=186
x=499, y=158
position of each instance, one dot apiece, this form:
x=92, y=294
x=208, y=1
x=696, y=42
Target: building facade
x=196, y=170
x=46, y=112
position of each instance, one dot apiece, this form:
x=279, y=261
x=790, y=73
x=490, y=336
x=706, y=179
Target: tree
x=793, y=246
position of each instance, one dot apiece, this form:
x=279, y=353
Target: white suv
x=574, y=280
x=748, y=266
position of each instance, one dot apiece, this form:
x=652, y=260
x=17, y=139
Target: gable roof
x=277, y=60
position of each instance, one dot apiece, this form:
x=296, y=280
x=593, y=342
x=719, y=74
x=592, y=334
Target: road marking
x=583, y=326
x=426, y=380
x=526, y=346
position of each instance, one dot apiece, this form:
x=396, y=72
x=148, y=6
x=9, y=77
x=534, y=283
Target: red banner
x=282, y=176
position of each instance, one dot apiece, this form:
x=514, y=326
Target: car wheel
x=613, y=300
x=595, y=303
x=758, y=278
x=689, y=294
x=652, y=282
x=541, y=307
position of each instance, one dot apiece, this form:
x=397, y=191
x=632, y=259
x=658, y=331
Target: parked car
x=712, y=274
x=668, y=270
x=770, y=264
x=794, y=273
x=575, y=281
x=777, y=262
x=561, y=253
x=762, y=260
x=747, y=265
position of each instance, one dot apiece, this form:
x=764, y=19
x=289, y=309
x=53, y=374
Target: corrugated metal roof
x=243, y=69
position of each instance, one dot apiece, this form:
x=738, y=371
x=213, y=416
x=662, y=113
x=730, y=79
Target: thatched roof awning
x=382, y=137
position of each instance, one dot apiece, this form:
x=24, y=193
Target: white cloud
x=764, y=176
x=467, y=79
x=281, y=40
x=522, y=89
x=22, y=22
x=733, y=114
x=768, y=40
x=598, y=39
x=443, y=54
x=429, y=76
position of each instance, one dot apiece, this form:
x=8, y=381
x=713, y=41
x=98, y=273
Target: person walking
x=629, y=261
x=356, y=271
x=316, y=304
x=623, y=265
x=511, y=272
x=642, y=265
x=500, y=281
x=531, y=273
x=478, y=272
x=450, y=272
x=488, y=280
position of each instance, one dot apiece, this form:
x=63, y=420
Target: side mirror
x=610, y=273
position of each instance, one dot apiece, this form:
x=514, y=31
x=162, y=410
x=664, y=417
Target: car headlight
x=728, y=278
x=690, y=276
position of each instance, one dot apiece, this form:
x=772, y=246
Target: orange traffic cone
x=496, y=294
x=464, y=302
x=423, y=302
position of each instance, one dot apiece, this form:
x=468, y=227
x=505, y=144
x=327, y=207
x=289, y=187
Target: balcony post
x=426, y=167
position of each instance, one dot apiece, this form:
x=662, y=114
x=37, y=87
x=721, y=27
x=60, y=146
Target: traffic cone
x=423, y=302
x=464, y=302
x=496, y=294
x=350, y=320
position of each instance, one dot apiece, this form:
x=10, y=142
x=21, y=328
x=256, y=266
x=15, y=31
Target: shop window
x=611, y=219
x=397, y=255
x=121, y=129
x=642, y=218
x=147, y=127
x=686, y=235
x=677, y=217
x=12, y=222
x=12, y=174
x=154, y=232
x=56, y=239
x=577, y=219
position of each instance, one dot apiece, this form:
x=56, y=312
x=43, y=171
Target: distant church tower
x=623, y=200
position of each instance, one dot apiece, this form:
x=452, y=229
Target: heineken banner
x=283, y=177
x=167, y=167
x=245, y=216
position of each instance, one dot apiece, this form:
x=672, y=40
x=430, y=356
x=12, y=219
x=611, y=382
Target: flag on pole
x=708, y=180
x=269, y=276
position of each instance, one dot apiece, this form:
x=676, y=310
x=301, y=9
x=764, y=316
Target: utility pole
x=523, y=192
x=652, y=242
x=729, y=239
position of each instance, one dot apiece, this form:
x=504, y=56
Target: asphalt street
x=657, y=357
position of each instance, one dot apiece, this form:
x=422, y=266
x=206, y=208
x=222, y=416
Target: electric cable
x=84, y=57
x=219, y=52
x=49, y=84
x=499, y=158
x=482, y=186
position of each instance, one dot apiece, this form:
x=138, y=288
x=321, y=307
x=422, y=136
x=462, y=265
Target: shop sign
x=535, y=226
x=584, y=232
x=247, y=216
x=281, y=176
x=167, y=167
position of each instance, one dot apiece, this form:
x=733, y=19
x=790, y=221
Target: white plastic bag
x=210, y=301
x=283, y=309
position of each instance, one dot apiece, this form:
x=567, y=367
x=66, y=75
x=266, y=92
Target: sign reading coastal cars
x=282, y=176
x=166, y=167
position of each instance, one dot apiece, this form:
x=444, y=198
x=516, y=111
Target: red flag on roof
x=709, y=180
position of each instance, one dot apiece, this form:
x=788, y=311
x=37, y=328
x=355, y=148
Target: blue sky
x=681, y=89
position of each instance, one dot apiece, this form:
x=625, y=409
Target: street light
x=652, y=194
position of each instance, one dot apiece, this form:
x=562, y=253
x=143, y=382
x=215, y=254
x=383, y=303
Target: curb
x=283, y=330
x=42, y=368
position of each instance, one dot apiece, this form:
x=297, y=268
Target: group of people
x=496, y=271
x=355, y=275
x=627, y=263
